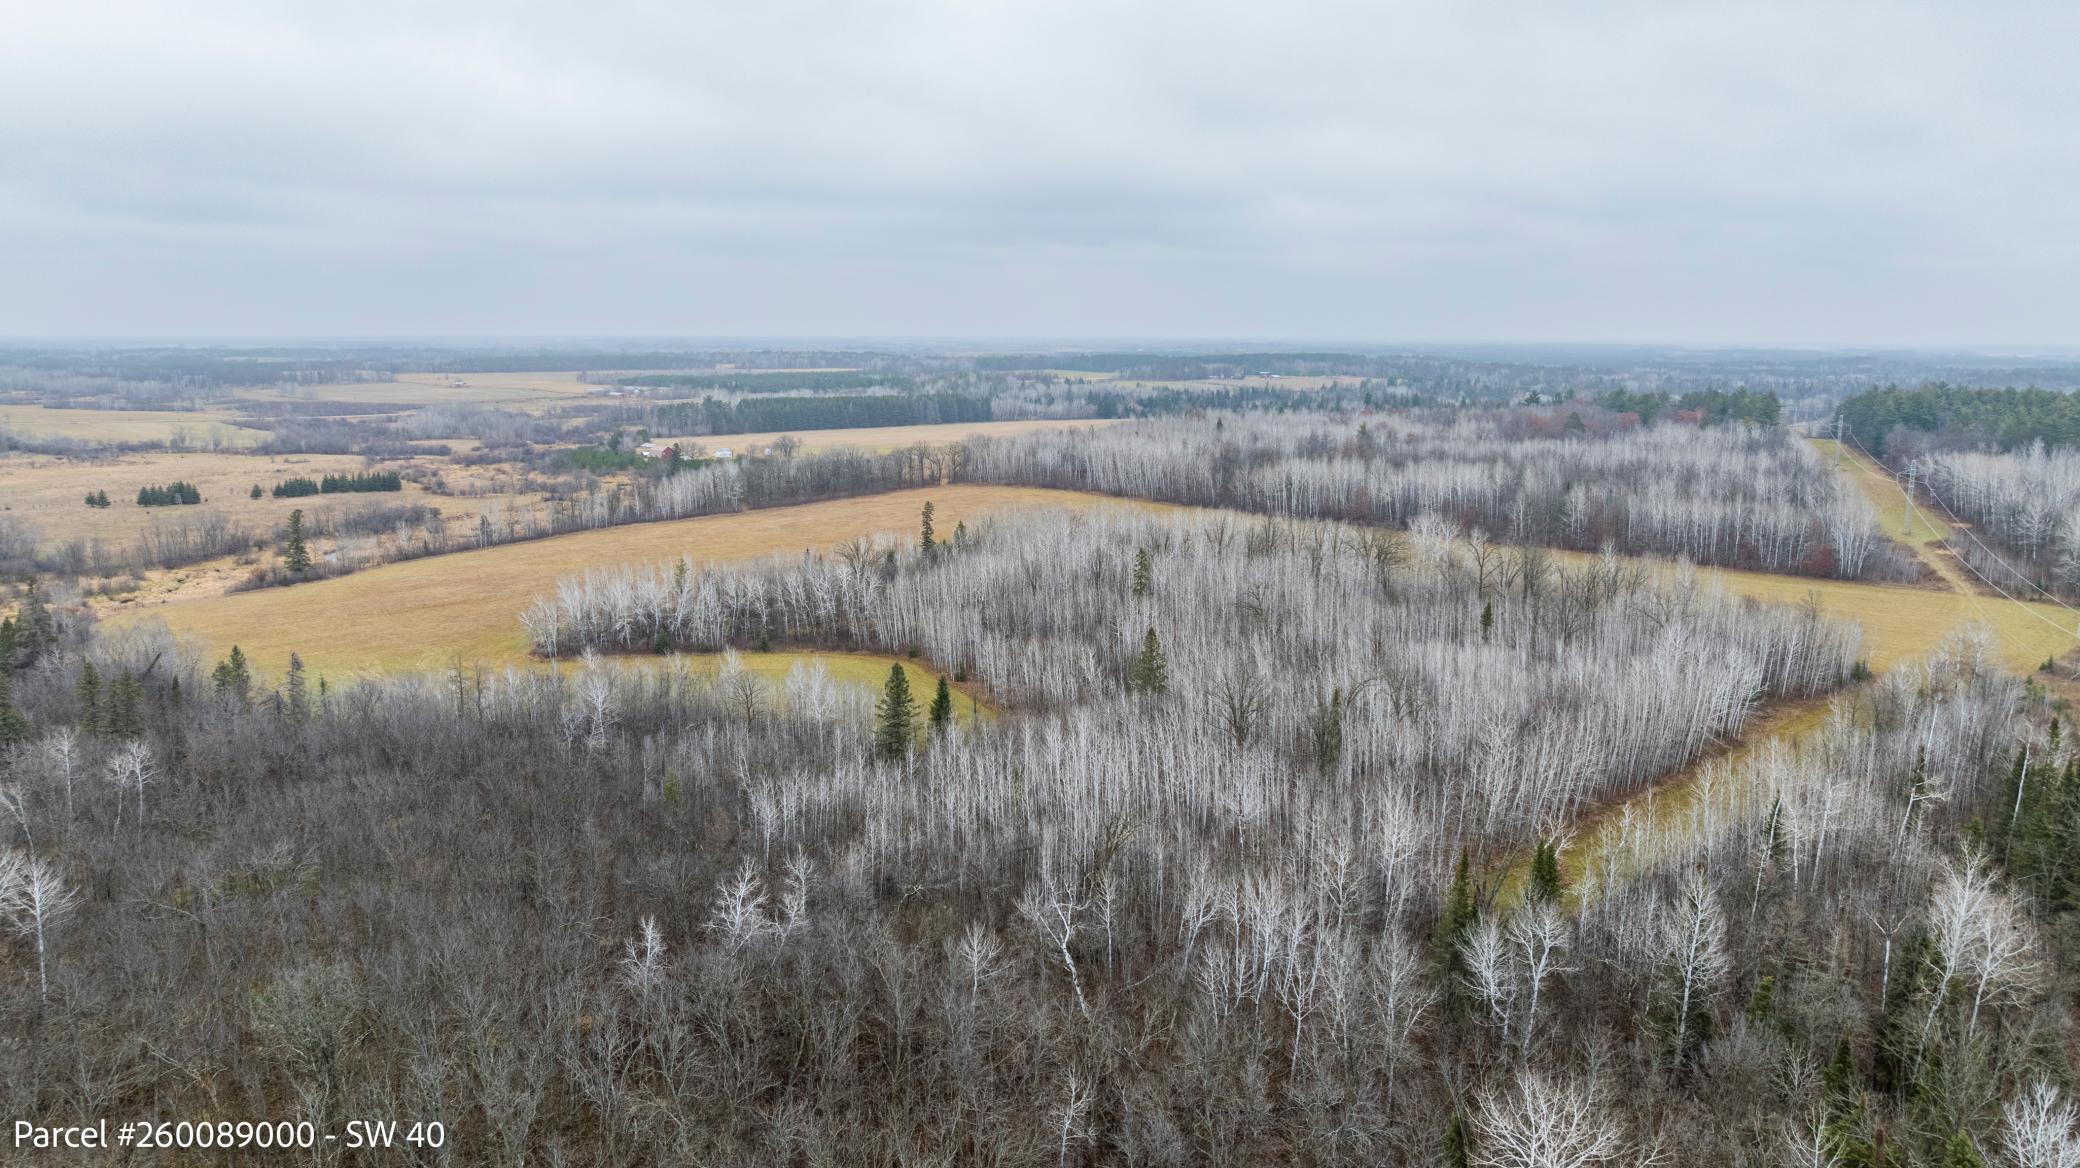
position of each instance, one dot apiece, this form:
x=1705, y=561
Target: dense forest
x=1898, y=423
x=1732, y=495
x=1219, y=883
x=820, y=412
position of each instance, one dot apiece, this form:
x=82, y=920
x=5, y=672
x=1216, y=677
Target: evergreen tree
x=88, y=690
x=895, y=717
x=14, y=727
x=297, y=556
x=123, y=715
x=298, y=697
x=254, y=493
x=925, y=539
x=1144, y=573
x=1325, y=730
x=1487, y=619
x=1544, y=884
x=942, y=706
x=233, y=680
x=1458, y=1142
x=1150, y=673
x=1461, y=913
x=33, y=631
x=1763, y=1001
x=1842, y=1116
x=1962, y=1153
x=960, y=534
x=1575, y=425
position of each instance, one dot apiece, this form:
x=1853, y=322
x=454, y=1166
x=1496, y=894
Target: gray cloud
x=1895, y=173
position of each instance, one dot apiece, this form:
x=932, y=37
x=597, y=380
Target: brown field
x=198, y=428
x=50, y=492
x=883, y=438
x=522, y=391
x=423, y=614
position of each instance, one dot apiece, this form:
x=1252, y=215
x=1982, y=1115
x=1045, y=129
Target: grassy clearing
x=1902, y=623
x=198, y=428
x=50, y=492
x=882, y=438
x=1914, y=527
x=423, y=614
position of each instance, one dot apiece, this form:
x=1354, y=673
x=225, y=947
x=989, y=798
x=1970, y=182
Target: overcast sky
x=1682, y=171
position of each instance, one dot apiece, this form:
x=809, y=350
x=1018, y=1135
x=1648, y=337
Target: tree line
x=168, y=495
x=1897, y=423
x=1734, y=495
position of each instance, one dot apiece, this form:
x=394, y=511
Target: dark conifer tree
x=88, y=690
x=942, y=706
x=14, y=727
x=1458, y=1143
x=926, y=539
x=1962, y=1153
x=895, y=717
x=297, y=699
x=1447, y=945
x=296, y=557
x=1544, y=884
x=124, y=712
x=233, y=680
x=1151, y=670
x=1144, y=573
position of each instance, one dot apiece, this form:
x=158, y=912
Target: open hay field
x=198, y=429
x=1902, y=623
x=49, y=493
x=423, y=614
x=523, y=391
x=883, y=438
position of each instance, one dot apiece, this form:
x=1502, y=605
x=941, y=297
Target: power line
x=1967, y=564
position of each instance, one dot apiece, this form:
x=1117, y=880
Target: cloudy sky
x=1681, y=170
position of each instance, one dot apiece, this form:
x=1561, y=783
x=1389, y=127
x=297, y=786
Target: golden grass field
x=198, y=428
x=50, y=492
x=883, y=438
x=423, y=614
x=1901, y=623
